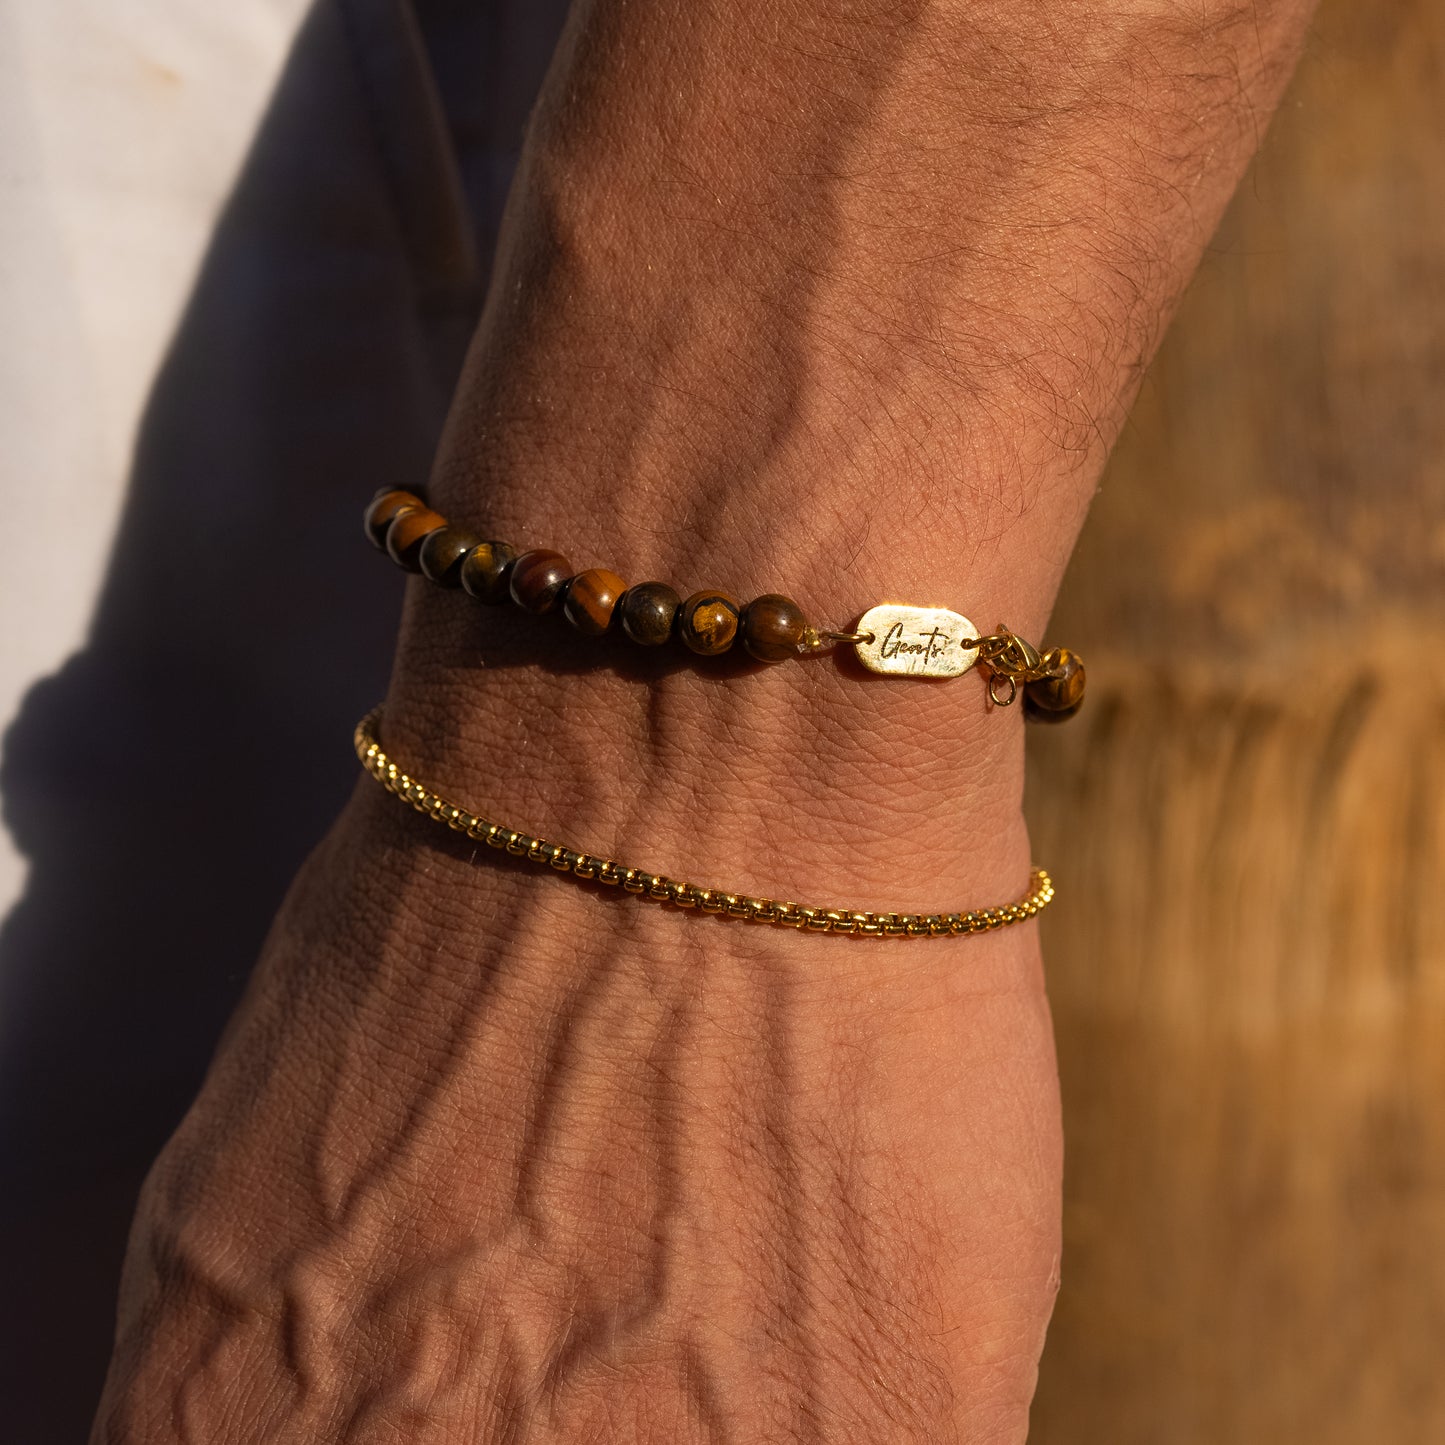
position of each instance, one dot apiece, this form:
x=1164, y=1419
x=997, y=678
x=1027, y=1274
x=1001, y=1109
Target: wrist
x=795, y=781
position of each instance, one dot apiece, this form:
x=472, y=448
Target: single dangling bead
x=1057, y=697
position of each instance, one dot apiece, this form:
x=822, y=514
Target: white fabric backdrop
x=122, y=125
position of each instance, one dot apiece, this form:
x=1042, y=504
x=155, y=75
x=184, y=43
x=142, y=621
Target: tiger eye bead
x=1058, y=698
x=591, y=600
x=708, y=623
x=408, y=530
x=537, y=579
x=441, y=553
x=483, y=572
x=772, y=627
x=383, y=509
x=648, y=613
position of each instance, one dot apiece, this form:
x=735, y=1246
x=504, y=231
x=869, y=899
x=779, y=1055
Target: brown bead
x=708, y=623
x=537, y=579
x=382, y=511
x=483, y=572
x=441, y=553
x=773, y=626
x=648, y=612
x=591, y=600
x=408, y=530
x=1057, y=698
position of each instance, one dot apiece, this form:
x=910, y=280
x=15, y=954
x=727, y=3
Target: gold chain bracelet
x=657, y=888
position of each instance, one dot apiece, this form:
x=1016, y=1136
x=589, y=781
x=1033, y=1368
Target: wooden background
x=1247, y=821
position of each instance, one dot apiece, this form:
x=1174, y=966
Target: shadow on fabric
x=243, y=628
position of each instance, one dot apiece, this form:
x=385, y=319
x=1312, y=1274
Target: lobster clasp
x=1011, y=661
x=1007, y=652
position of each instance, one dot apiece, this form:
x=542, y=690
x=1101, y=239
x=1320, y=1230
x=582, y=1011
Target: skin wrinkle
x=879, y=1271
x=704, y=1396
x=174, y=1399
x=185, y=1400
x=559, y=1058
x=469, y=1330
x=658, y=1236
x=510, y=1399
x=570, y=1353
x=426, y=1385
x=791, y=1304
x=415, y=1374
x=297, y=1336
x=349, y=1075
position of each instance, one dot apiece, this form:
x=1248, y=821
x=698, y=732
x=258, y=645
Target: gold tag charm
x=915, y=641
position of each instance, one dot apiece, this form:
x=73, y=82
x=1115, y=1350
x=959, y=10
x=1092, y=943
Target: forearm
x=764, y=260
x=842, y=302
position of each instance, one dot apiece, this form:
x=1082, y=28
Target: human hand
x=846, y=306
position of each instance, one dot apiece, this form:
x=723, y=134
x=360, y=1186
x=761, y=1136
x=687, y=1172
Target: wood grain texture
x=1247, y=821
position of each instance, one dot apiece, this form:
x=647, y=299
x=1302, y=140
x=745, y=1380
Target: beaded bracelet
x=893, y=638
x=658, y=888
